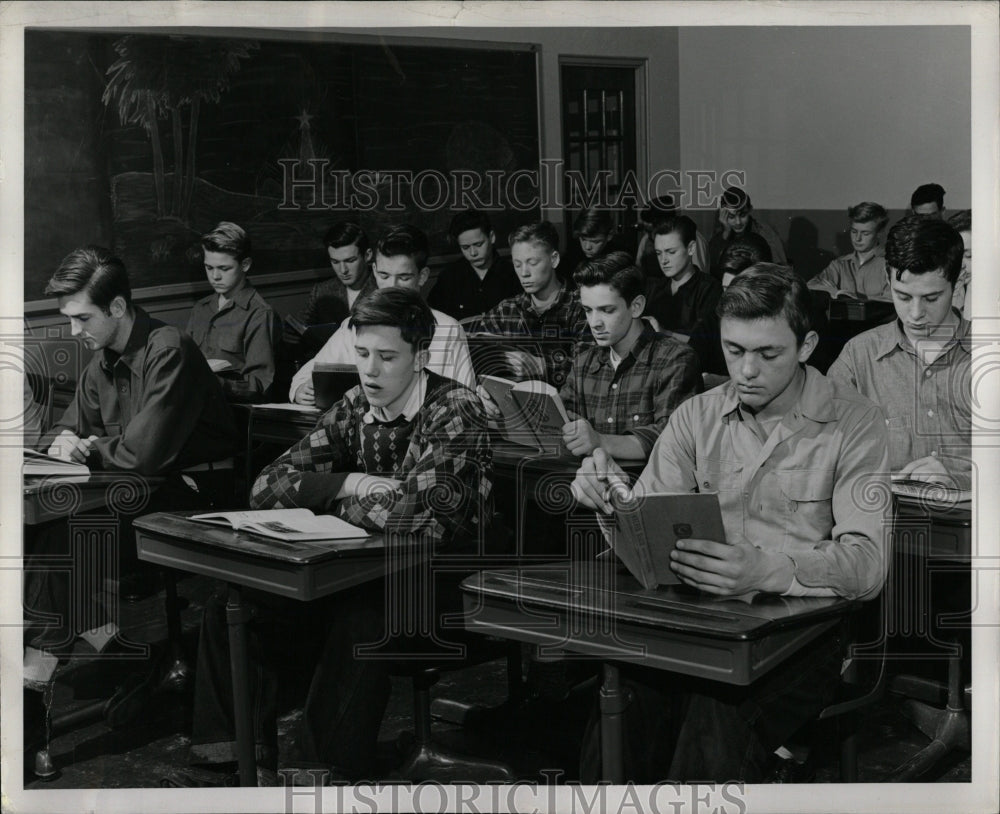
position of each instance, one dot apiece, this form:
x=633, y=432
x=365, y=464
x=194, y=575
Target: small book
x=531, y=412
x=331, y=380
x=647, y=528
x=38, y=464
x=286, y=524
x=219, y=365
x=929, y=492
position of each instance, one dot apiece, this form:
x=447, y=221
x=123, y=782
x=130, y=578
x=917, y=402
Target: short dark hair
x=396, y=308
x=924, y=245
x=744, y=251
x=681, y=224
x=592, y=222
x=928, y=193
x=228, y=238
x=735, y=198
x=962, y=220
x=467, y=221
x=615, y=269
x=868, y=212
x=658, y=210
x=767, y=291
x=405, y=240
x=95, y=271
x=346, y=233
x=541, y=232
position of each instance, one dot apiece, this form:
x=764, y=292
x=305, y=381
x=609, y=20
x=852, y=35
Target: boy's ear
x=637, y=306
x=808, y=346
x=117, y=307
x=692, y=247
x=555, y=258
x=493, y=237
x=368, y=256
x=424, y=275
x=245, y=265
x=420, y=360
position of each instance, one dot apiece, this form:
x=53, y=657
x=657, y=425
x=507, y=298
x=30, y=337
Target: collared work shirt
x=330, y=302
x=460, y=292
x=638, y=396
x=928, y=408
x=847, y=275
x=816, y=489
x=245, y=332
x=689, y=309
x=156, y=407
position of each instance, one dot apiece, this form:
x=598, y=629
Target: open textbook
x=531, y=412
x=286, y=524
x=648, y=526
x=38, y=464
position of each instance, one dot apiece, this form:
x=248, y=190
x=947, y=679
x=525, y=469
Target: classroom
x=543, y=403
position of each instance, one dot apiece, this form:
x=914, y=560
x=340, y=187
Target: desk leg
x=237, y=616
x=613, y=703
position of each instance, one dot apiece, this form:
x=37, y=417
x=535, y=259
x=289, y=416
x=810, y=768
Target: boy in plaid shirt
x=624, y=388
x=405, y=454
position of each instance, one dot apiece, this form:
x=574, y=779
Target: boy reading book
x=860, y=274
x=788, y=451
x=234, y=327
x=406, y=455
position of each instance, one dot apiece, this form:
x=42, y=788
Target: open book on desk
x=648, y=526
x=531, y=412
x=38, y=464
x=285, y=524
x=927, y=492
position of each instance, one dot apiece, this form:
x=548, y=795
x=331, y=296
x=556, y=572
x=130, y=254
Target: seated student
x=235, y=326
x=918, y=368
x=860, y=274
x=547, y=308
x=682, y=301
x=593, y=236
x=405, y=453
x=927, y=201
x=146, y=403
x=652, y=215
x=400, y=261
x=744, y=251
x=788, y=451
x=962, y=221
x=736, y=218
x=623, y=388
x=477, y=282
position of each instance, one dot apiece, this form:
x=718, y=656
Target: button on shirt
x=816, y=489
x=928, y=408
x=848, y=274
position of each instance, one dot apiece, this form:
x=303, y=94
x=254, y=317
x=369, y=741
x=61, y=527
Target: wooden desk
x=302, y=571
x=948, y=528
x=597, y=609
x=52, y=497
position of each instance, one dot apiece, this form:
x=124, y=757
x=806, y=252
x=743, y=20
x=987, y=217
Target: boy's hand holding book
x=730, y=569
x=580, y=437
x=928, y=469
x=68, y=446
x=598, y=480
x=525, y=365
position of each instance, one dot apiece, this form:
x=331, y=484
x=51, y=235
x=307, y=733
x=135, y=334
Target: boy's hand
x=580, y=437
x=525, y=365
x=596, y=479
x=358, y=484
x=68, y=446
x=489, y=406
x=305, y=395
x=730, y=570
x=928, y=469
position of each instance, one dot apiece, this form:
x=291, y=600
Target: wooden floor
x=153, y=743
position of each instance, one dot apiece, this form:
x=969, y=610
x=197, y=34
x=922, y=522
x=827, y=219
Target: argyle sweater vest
x=383, y=447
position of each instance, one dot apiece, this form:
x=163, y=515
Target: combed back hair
x=593, y=222
x=922, y=245
x=928, y=193
x=396, y=308
x=616, y=270
x=228, y=238
x=346, y=233
x=768, y=291
x=468, y=220
x=744, y=251
x=868, y=212
x=681, y=224
x=542, y=232
x=95, y=271
x=735, y=198
x=962, y=220
x=405, y=240
x=658, y=210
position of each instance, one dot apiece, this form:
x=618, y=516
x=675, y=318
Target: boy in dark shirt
x=593, y=236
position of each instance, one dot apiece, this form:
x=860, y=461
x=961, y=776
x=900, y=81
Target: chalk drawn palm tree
x=155, y=77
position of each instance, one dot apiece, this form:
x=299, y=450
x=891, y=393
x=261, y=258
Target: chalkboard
x=386, y=132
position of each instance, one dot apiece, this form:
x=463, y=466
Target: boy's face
x=593, y=245
x=94, y=328
x=225, y=273
x=609, y=316
x=477, y=248
x=387, y=365
x=736, y=219
x=400, y=271
x=922, y=301
x=763, y=357
x=350, y=264
x=535, y=265
x=672, y=255
x=928, y=210
x=864, y=236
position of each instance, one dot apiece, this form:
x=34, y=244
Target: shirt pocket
x=718, y=475
x=807, y=503
x=900, y=431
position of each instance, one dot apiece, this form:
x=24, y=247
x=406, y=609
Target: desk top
x=54, y=496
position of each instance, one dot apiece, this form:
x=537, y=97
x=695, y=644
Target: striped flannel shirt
x=638, y=397
x=447, y=469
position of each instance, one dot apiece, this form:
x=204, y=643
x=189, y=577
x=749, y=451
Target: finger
x=710, y=548
x=586, y=495
x=703, y=579
x=906, y=470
